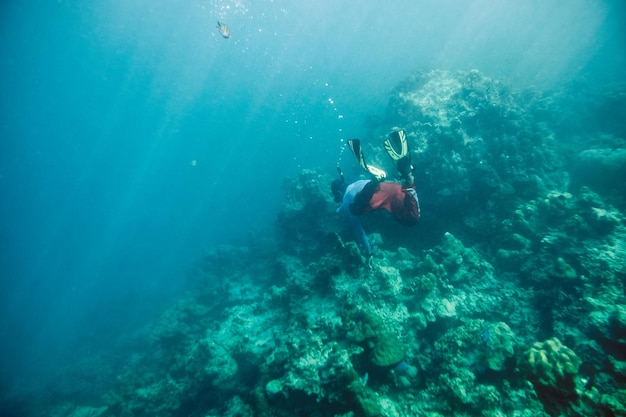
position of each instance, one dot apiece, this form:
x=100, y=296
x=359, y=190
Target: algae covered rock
x=367, y=328
x=460, y=263
x=363, y=325
x=173, y=325
x=514, y=251
x=500, y=345
x=615, y=403
x=478, y=144
x=388, y=350
x=551, y=365
x=324, y=372
x=301, y=228
x=368, y=406
x=603, y=167
x=562, y=270
x=608, y=320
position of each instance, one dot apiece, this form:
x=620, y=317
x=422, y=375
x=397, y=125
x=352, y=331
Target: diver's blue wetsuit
x=355, y=223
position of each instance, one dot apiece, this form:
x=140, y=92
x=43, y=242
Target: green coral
x=388, y=350
x=500, y=346
x=428, y=265
x=562, y=270
x=511, y=260
x=368, y=406
x=363, y=325
x=551, y=365
x=609, y=319
x=557, y=205
x=615, y=403
x=454, y=262
x=515, y=251
x=427, y=282
x=366, y=326
x=452, y=250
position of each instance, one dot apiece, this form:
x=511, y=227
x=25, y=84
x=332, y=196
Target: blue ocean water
x=133, y=136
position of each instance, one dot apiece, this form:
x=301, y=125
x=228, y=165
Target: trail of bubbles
x=339, y=117
x=223, y=9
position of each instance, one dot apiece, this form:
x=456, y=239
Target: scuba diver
x=363, y=196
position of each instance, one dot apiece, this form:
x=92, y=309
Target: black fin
x=399, y=148
x=355, y=147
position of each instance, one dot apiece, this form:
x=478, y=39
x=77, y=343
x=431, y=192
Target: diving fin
x=355, y=147
x=378, y=173
x=397, y=140
x=400, y=138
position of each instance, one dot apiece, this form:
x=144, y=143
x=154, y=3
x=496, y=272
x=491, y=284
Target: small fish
x=401, y=368
x=224, y=30
x=485, y=335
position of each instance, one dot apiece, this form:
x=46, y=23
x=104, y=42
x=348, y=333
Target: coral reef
x=447, y=322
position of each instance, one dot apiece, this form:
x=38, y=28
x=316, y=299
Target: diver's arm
x=354, y=221
x=357, y=229
x=362, y=238
x=359, y=233
x=409, y=181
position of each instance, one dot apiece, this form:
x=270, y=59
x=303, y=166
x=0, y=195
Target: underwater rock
x=363, y=325
x=391, y=278
x=369, y=406
x=562, y=270
x=476, y=345
x=500, y=345
x=515, y=249
x=302, y=230
x=477, y=145
x=387, y=351
x=323, y=372
x=614, y=403
x=609, y=322
x=460, y=385
x=446, y=309
x=172, y=327
x=367, y=328
x=208, y=359
x=274, y=387
x=462, y=265
x=602, y=169
x=236, y=407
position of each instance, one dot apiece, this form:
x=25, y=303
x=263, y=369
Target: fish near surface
x=224, y=30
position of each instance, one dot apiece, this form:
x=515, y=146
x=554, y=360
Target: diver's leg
x=406, y=170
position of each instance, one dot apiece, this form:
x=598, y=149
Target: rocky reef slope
x=507, y=299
